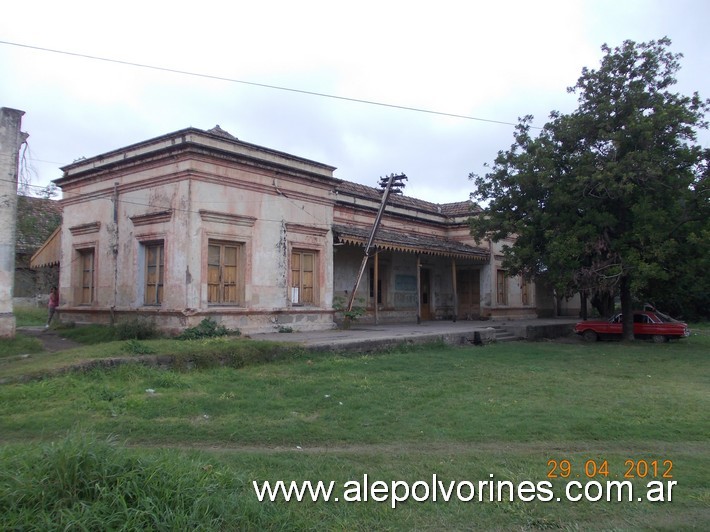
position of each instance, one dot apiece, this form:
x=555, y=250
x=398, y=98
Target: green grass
x=460, y=413
x=227, y=350
x=509, y=392
x=28, y=316
x=19, y=346
x=85, y=483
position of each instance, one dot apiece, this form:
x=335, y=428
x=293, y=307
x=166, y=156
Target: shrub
x=349, y=315
x=208, y=328
x=135, y=347
x=136, y=329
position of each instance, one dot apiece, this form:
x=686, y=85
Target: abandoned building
x=198, y=224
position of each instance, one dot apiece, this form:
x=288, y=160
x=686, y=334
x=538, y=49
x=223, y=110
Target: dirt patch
x=435, y=448
x=51, y=341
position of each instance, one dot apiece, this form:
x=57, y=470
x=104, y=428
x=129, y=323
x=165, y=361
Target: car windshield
x=662, y=317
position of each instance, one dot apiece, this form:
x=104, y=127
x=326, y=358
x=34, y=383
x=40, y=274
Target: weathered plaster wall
x=11, y=138
x=184, y=203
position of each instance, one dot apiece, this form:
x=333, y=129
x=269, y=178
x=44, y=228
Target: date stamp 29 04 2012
x=631, y=469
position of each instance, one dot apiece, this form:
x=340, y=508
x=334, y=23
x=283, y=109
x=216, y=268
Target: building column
x=11, y=138
x=455, y=288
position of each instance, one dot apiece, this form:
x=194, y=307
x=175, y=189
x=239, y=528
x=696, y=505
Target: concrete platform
x=367, y=337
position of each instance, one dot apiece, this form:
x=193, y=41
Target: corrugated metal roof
x=49, y=253
x=410, y=242
x=461, y=208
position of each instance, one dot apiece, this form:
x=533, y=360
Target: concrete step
x=504, y=335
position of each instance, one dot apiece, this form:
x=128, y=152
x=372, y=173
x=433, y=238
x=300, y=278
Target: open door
x=425, y=294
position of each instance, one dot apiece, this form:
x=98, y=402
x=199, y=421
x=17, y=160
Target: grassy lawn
x=30, y=315
x=185, y=446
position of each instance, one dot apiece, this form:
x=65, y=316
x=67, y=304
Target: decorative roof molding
x=151, y=218
x=221, y=133
x=227, y=218
x=306, y=229
x=85, y=229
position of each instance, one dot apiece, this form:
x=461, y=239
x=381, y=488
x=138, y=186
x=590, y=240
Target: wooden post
x=376, y=287
x=453, y=284
x=419, y=290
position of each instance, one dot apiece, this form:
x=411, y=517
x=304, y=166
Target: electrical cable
x=257, y=84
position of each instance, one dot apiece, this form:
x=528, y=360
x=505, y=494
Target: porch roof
x=48, y=254
x=410, y=242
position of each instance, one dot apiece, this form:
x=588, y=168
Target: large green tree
x=606, y=199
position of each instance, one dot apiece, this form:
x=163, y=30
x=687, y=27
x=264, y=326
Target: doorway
x=425, y=294
x=468, y=283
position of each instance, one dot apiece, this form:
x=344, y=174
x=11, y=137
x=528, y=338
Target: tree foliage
x=607, y=199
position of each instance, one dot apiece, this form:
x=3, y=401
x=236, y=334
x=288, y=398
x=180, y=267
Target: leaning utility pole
x=391, y=184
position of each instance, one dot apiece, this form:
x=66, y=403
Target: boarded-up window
x=502, y=287
x=303, y=277
x=224, y=277
x=154, y=272
x=86, y=276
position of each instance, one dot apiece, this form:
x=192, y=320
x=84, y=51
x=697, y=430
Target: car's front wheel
x=590, y=335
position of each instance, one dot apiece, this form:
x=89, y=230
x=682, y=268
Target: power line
x=256, y=84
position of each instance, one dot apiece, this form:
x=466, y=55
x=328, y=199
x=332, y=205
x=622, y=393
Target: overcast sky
x=491, y=61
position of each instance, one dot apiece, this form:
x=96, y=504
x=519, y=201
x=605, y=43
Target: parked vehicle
x=647, y=324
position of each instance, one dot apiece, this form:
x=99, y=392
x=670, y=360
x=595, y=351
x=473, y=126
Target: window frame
x=296, y=292
x=158, y=287
x=81, y=285
x=237, y=284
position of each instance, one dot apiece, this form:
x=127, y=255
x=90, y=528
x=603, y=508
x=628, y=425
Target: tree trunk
x=626, y=309
x=583, y=304
x=603, y=302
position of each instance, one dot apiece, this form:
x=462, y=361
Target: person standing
x=52, y=305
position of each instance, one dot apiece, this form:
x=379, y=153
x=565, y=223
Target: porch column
x=453, y=284
x=376, y=291
x=419, y=290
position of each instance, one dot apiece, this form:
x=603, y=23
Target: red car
x=654, y=325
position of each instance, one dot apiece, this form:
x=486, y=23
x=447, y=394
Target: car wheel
x=590, y=336
x=659, y=339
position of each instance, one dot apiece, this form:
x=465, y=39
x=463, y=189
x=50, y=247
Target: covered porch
x=409, y=277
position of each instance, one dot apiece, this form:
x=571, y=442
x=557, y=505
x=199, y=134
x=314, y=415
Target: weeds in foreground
x=89, y=483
